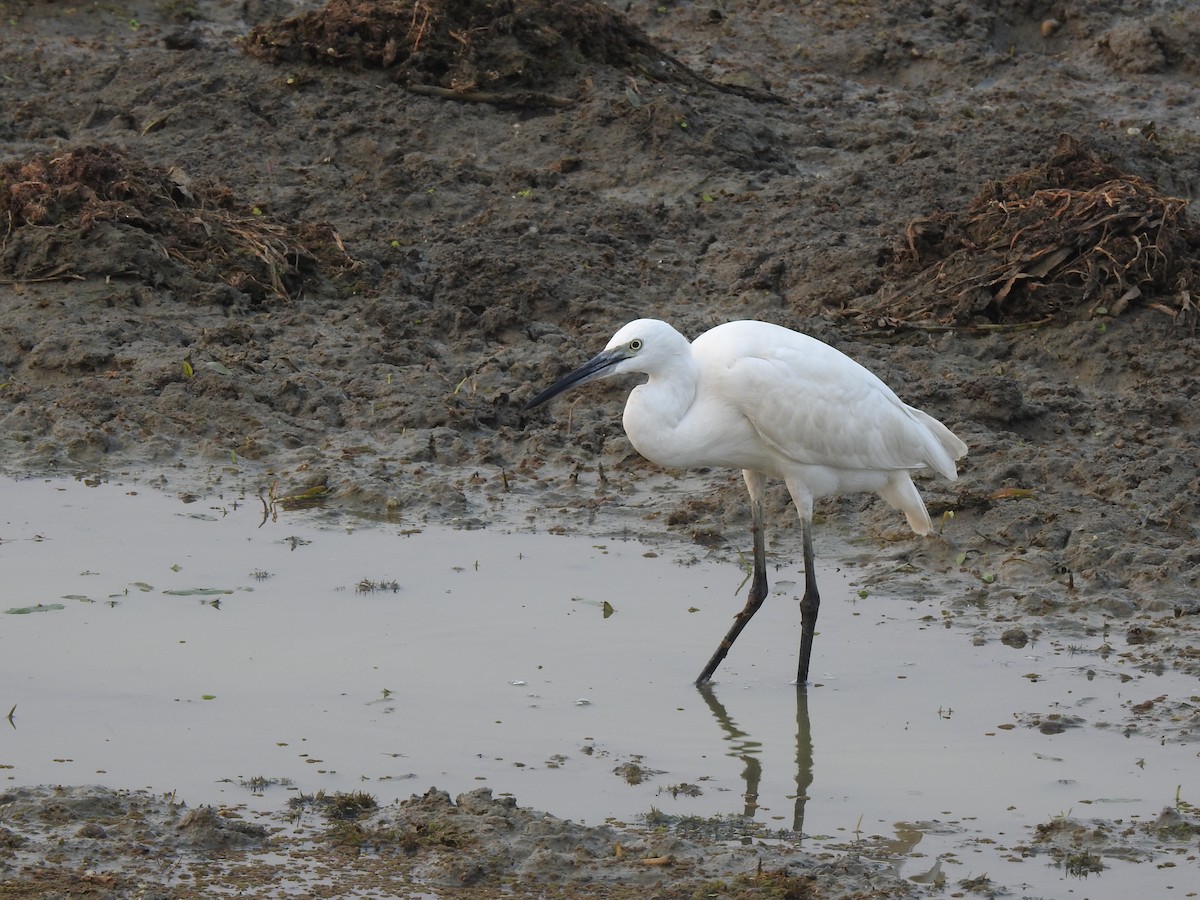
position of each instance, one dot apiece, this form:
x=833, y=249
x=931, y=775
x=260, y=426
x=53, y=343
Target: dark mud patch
x=1073, y=236
x=507, y=53
x=93, y=211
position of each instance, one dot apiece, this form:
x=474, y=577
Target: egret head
x=644, y=345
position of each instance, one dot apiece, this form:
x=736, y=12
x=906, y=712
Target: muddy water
x=203, y=647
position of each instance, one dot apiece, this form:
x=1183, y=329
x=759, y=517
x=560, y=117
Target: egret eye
x=635, y=345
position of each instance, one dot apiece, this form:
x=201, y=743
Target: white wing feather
x=815, y=406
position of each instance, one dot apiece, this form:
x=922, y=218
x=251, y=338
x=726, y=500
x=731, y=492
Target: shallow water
x=152, y=643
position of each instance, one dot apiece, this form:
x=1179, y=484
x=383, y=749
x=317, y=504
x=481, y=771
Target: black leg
x=758, y=585
x=810, y=604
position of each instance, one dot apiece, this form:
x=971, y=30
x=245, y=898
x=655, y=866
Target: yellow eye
x=635, y=345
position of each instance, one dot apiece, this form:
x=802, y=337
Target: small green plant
x=350, y=806
x=259, y=783
x=1083, y=864
x=1182, y=805
x=337, y=806
x=657, y=817
x=367, y=586
x=980, y=884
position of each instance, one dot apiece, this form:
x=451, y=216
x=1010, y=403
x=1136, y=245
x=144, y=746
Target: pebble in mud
x=1015, y=637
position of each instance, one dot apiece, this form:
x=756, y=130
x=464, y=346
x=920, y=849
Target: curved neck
x=655, y=410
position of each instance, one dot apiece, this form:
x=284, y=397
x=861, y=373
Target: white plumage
x=774, y=403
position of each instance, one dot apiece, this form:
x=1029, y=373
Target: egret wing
x=816, y=406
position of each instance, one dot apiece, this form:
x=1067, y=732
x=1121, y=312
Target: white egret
x=773, y=403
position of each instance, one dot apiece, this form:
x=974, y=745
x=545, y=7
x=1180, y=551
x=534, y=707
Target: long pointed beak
x=596, y=367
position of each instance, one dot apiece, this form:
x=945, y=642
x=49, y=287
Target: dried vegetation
x=204, y=230
x=1072, y=237
x=506, y=52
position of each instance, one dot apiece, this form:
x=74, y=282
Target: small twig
x=497, y=98
x=988, y=327
x=64, y=276
x=417, y=32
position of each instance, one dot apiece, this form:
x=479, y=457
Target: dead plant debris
x=505, y=52
x=1072, y=237
x=50, y=202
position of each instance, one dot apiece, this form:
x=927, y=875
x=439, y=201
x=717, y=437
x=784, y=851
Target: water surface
x=201, y=647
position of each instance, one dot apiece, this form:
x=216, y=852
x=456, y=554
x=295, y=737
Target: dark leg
x=758, y=585
x=810, y=604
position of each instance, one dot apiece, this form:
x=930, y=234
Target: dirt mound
x=466, y=46
x=93, y=211
x=1074, y=236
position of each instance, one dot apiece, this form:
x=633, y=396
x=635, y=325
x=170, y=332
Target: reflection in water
x=804, y=758
x=906, y=839
x=743, y=748
x=747, y=750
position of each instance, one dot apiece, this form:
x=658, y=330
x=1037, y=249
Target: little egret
x=773, y=403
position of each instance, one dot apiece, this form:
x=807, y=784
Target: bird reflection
x=743, y=747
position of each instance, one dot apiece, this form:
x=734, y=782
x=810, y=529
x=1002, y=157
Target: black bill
x=596, y=367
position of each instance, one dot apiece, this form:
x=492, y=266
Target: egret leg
x=756, y=484
x=810, y=603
